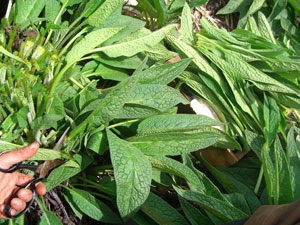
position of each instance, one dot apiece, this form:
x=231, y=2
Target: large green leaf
x=110, y=106
x=294, y=162
x=234, y=6
x=174, y=167
x=255, y=6
x=174, y=143
x=92, y=207
x=49, y=218
x=223, y=210
x=160, y=97
x=187, y=25
x=161, y=212
x=209, y=187
x=283, y=176
x=164, y=74
x=132, y=47
x=271, y=119
x=28, y=10
x=89, y=42
x=42, y=154
x=174, y=123
x=232, y=185
x=133, y=174
x=194, y=215
x=269, y=172
x=104, y=11
x=64, y=171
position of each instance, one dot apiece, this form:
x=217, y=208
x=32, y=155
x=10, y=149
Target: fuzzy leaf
x=221, y=209
x=49, y=218
x=161, y=212
x=132, y=47
x=174, y=143
x=104, y=11
x=133, y=174
x=89, y=42
x=92, y=207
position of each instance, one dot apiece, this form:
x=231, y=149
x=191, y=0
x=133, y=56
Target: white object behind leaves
x=203, y=108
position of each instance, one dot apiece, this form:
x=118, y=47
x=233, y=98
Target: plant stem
x=76, y=83
x=8, y=9
x=261, y=173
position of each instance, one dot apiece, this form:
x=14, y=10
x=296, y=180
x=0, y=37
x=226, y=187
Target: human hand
x=10, y=181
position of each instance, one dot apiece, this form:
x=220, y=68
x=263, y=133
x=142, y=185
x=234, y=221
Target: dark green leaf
x=161, y=212
x=104, y=11
x=92, y=207
x=194, y=215
x=221, y=209
x=164, y=74
x=49, y=218
x=271, y=119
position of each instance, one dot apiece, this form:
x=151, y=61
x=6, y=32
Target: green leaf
x=89, y=42
x=271, y=118
x=161, y=212
x=133, y=173
x=49, y=218
x=277, y=8
x=174, y=167
x=162, y=13
x=234, y=6
x=174, y=143
x=294, y=162
x=164, y=74
x=132, y=111
x=52, y=8
x=98, y=143
x=174, y=123
x=255, y=142
x=283, y=176
x=28, y=10
x=92, y=207
x=264, y=27
x=160, y=97
x=209, y=187
x=113, y=102
x=238, y=200
x=42, y=154
x=109, y=73
x=194, y=215
x=74, y=207
x=187, y=25
x=269, y=172
x=132, y=47
x=255, y=6
x=5, y=52
x=104, y=11
x=63, y=172
x=232, y=185
x=221, y=209
x=45, y=122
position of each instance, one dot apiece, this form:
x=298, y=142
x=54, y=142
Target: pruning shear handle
x=30, y=184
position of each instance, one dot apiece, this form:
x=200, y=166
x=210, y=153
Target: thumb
x=10, y=158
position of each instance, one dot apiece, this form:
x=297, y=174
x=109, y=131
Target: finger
x=18, y=204
x=22, y=178
x=10, y=158
x=40, y=188
x=2, y=212
x=24, y=194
